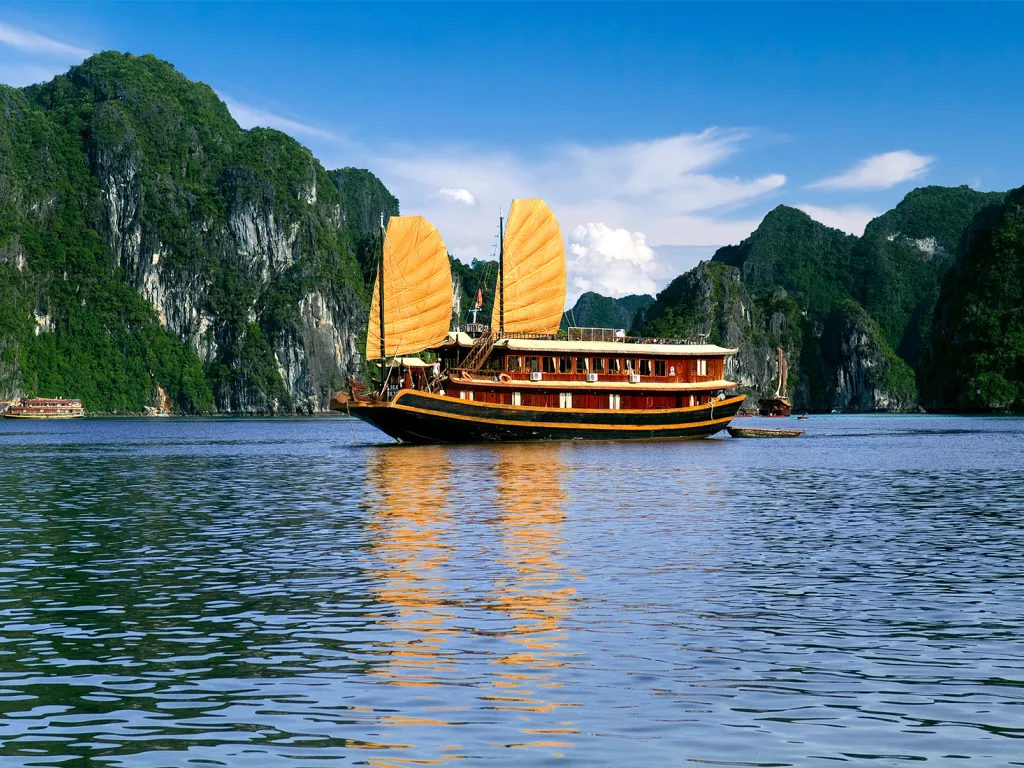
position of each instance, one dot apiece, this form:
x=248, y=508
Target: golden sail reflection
x=409, y=528
x=534, y=594
x=440, y=636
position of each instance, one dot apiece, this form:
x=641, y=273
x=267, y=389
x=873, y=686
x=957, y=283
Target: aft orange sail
x=417, y=290
x=534, y=258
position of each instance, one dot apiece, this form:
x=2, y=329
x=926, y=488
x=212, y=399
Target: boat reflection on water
x=473, y=601
x=411, y=557
x=536, y=591
x=409, y=528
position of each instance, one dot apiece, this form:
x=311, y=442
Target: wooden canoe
x=756, y=432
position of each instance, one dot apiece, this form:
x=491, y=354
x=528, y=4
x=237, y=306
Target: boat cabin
x=621, y=373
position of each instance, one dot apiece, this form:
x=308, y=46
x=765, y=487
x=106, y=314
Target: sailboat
x=778, y=404
x=517, y=379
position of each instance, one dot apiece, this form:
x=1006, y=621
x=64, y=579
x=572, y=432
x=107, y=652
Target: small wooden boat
x=755, y=432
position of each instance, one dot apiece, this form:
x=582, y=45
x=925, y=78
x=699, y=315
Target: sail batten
x=534, y=255
x=417, y=290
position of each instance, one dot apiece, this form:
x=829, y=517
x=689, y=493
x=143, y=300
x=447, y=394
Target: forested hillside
x=148, y=243
x=853, y=315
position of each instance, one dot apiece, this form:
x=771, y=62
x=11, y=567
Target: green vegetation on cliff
x=976, y=359
x=852, y=314
x=146, y=240
x=899, y=263
x=790, y=250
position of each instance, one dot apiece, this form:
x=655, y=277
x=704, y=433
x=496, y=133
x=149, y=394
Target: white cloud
x=249, y=117
x=463, y=196
x=879, y=172
x=30, y=42
x=613, y=262
x=664, y=188
x=849, y=218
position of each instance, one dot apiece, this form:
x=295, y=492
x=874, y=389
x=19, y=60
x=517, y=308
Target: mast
x=380, y=275
x=780, y=390
x=501, y=273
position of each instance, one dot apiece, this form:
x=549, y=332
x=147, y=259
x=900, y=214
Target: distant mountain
x=975, y=361
x=592, y=310
x=852, y=314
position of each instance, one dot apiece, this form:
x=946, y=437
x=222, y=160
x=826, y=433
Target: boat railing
x=551, y=378
x=581, y=333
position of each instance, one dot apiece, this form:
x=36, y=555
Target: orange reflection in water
x=411, y=549
x=411, y=526
x=531, y=499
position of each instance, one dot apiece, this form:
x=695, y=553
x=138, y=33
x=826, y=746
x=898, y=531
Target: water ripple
x=274, y=593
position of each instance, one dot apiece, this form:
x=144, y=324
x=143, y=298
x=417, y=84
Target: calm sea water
x=298, y=593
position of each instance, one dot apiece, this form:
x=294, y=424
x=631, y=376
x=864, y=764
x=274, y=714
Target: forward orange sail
x=417, y=290
x=534, y=257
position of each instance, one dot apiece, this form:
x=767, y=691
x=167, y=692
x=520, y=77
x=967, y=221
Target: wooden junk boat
x=44, y=408
x=516, y=380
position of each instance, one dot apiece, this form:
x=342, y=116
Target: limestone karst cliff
x=147, y=241
x=852, y=314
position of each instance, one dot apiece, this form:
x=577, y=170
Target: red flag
x=479, y=298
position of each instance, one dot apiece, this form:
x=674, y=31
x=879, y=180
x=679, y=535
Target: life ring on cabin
x=650, y=401
x=504, y=378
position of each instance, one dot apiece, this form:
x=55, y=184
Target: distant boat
x=778, y=404
x=754, y=432
x=44, y=408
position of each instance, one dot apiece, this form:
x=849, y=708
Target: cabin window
x=645, y=367
x=702, y=367
x=599, y=365
x=659, y=367
x=581, y=365
x=629, y=365
x=565, y=365
x=565, y=399
x=515, y=364
x=517, y=398
x=614, y=365
x=614, y=402
x=550, y=364
x=533, y=364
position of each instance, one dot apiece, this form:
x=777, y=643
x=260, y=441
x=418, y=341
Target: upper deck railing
x=581, y=333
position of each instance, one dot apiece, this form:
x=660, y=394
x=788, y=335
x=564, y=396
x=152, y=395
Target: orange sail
x=417, y=290
x=534, y=257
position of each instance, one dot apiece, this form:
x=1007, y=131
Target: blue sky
x=656, y=131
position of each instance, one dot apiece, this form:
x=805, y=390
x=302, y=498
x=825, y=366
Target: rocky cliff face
x=842, y=363
x=975, y=360
x=861, y=372
x=245, y=248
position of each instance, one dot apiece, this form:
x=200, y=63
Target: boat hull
x=763, y=433
x=39, y=416
x=418, y=417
